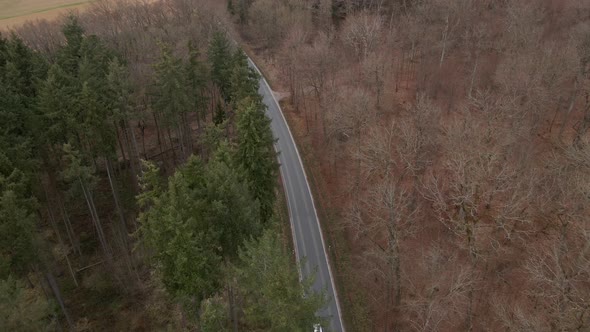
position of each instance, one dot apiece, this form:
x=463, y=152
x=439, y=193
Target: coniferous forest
x=139, y=181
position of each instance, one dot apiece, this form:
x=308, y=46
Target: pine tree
x=56, y=105
x=18, y=80
x=214, y=316
x=93, y=66
x=23, y=308
x=243, y=7
x=3, y=47
x=231, y=208
x=230, y=7
x=256, y=155
x=171, y=97
x=69, y=56
x=83, y=180
x=94, y=106
x=273, y=297
x=17, y=227
x=119, y=92
x=27, y=68
x=196, y=223
x=219, y=55
x=151, y=188
x=243, y=80
x=185, y=247
x=95, y=124
x=197, y=80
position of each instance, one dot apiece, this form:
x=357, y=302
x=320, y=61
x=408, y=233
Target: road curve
x=305, y=226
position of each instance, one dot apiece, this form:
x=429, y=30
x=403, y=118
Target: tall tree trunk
x=171, y=146
x=198, y=110
x=68, y=224
x=322, y=110
x=232, y=309
x=120, y=142
x=394, y=253
x=45, y=293
x=444, y=42
x=142, y=127
x=133, y=153
x=189, y=133
x=55, y=289
x=570, y=108
x=472, y=81
x=117, y=202
x=59, y=239
x=96, y=220
x=158, y=132
x=470, y=297
x=65, y=217
x=559, y=102
x=213, y=101
x=181, y=138
x=305, y=108
x=378, y=85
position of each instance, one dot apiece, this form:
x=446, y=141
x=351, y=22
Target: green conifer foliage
x=23, y=308
x=256, y=155
x=273, y=297
x=219, y=55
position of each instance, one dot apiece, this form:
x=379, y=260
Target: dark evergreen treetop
x=171, y=90
x=243, y=80
x=256, y=155
x=219, y=55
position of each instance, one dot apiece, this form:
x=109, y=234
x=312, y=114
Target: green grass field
x=17, y=8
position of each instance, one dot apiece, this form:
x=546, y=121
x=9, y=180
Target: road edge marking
x=309, y=190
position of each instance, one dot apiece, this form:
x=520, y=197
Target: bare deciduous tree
x=438, y=300
x=386, y=216
x=522, y=25
x=362, y=32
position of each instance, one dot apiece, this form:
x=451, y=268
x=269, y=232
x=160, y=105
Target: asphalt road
x=307, y=233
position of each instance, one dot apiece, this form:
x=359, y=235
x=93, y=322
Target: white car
x=317, y=328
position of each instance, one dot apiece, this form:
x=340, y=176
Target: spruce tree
x=82, y=181
x=56, y=105
x=256, y=155
x=95, y=124
x=119, y=97
x=18, y=89
x=231, y=208
x=197, y=81
x=171, y=97
x=186, y=249
x=219, y=55
x=243, y=80
x=17, y=227
x=273, y=298
x=69, y=56
x=24, y=308
x=199, y=221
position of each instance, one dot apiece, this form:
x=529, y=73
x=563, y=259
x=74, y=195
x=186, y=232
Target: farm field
x=16, y=12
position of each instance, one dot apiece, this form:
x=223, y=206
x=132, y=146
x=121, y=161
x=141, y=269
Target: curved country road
x=307, y=233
